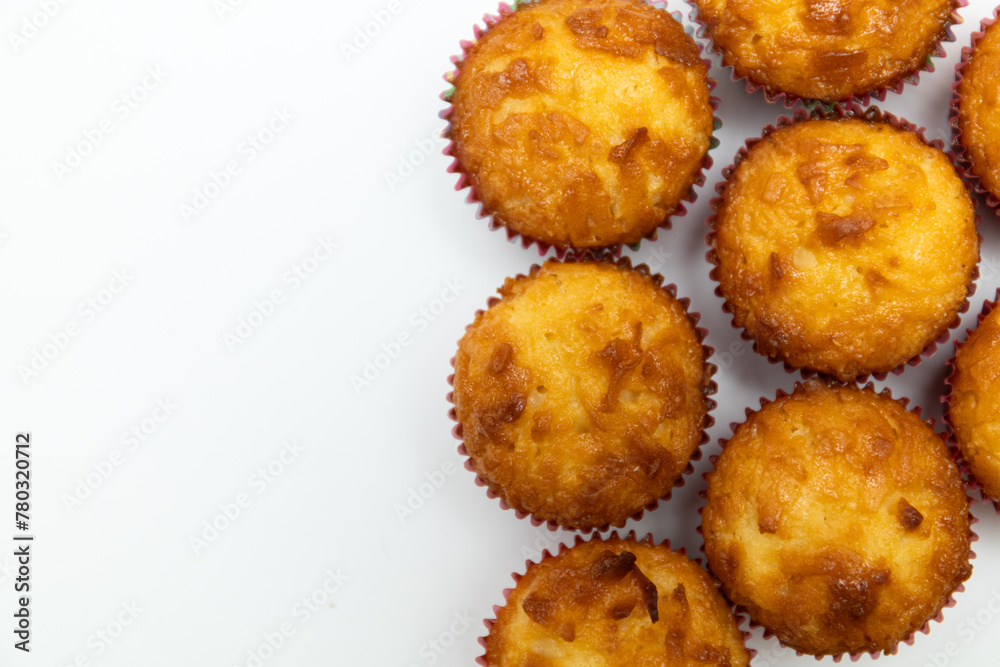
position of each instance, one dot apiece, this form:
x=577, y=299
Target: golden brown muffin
x=582, y=123
x=837, y=519
x=616, y=603
x=978, y=120
x=828, y=50
x=582, y=393
x=974, y=403
x=844, y=246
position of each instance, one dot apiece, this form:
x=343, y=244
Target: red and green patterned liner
x=768, y=634
x=710, y=389
x=789, y=100
x=961, y=151
x=836, y=111
x=974, y=485
x=465, y=181
x=738, y=614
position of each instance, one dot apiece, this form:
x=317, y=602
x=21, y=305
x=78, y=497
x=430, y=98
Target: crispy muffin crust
x=582, y=393
x=828, y=50
x=974, y=406
x=582, y=123
x=837, y=519
x=844, y=246
x=593, y=605
x=979, y=112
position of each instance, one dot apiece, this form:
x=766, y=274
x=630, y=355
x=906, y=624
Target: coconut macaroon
x=837, y=519
x=978, y=121
x=582, y=393
x=582, y=123
x=829, y=50
x=844, y=246
x=974, y=403
x=616, y=602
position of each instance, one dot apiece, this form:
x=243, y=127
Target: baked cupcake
x=843, y=244
x=974, y=402
x=615, y=602
x=837, y=519
x=582, y=123
x=827, y=50
x=976, y=115
x=582, y=393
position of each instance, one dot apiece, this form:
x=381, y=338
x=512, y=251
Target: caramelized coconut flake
x=613, y=567
x=834, y=230
x=538, y=609
x=650, y=596
x=909, y=516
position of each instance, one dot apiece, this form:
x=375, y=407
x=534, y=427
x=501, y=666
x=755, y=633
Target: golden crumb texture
x=845, y=246
x=974, y=405
x=582, y=394
x=827, y=50
x=612, y=603
x=979, y=110
x=582, y=123
x=838, y=520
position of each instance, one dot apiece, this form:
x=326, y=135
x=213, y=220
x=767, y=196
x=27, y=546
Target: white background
x=334, y=508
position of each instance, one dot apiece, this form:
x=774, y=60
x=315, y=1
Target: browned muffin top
x=974, y=408
x=616, y=603
x=582, y=123
x=979, y=113
x=582, y=393
x=838, y=519
x=827, y=50
x=845, y=246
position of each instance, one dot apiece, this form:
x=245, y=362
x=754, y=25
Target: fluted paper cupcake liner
x=768, y=634
x=709, y=390
x=466, y=182
x=836, y=111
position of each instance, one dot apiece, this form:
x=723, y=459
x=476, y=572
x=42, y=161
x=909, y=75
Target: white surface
x=333, y=507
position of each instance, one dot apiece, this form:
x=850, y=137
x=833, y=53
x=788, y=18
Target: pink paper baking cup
x=768, y=634
x=738, y=615
x=789, y=100
x=961, y=151
x=468, y=181
x=709, y=390
x=974, y=486
x=835, y=111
